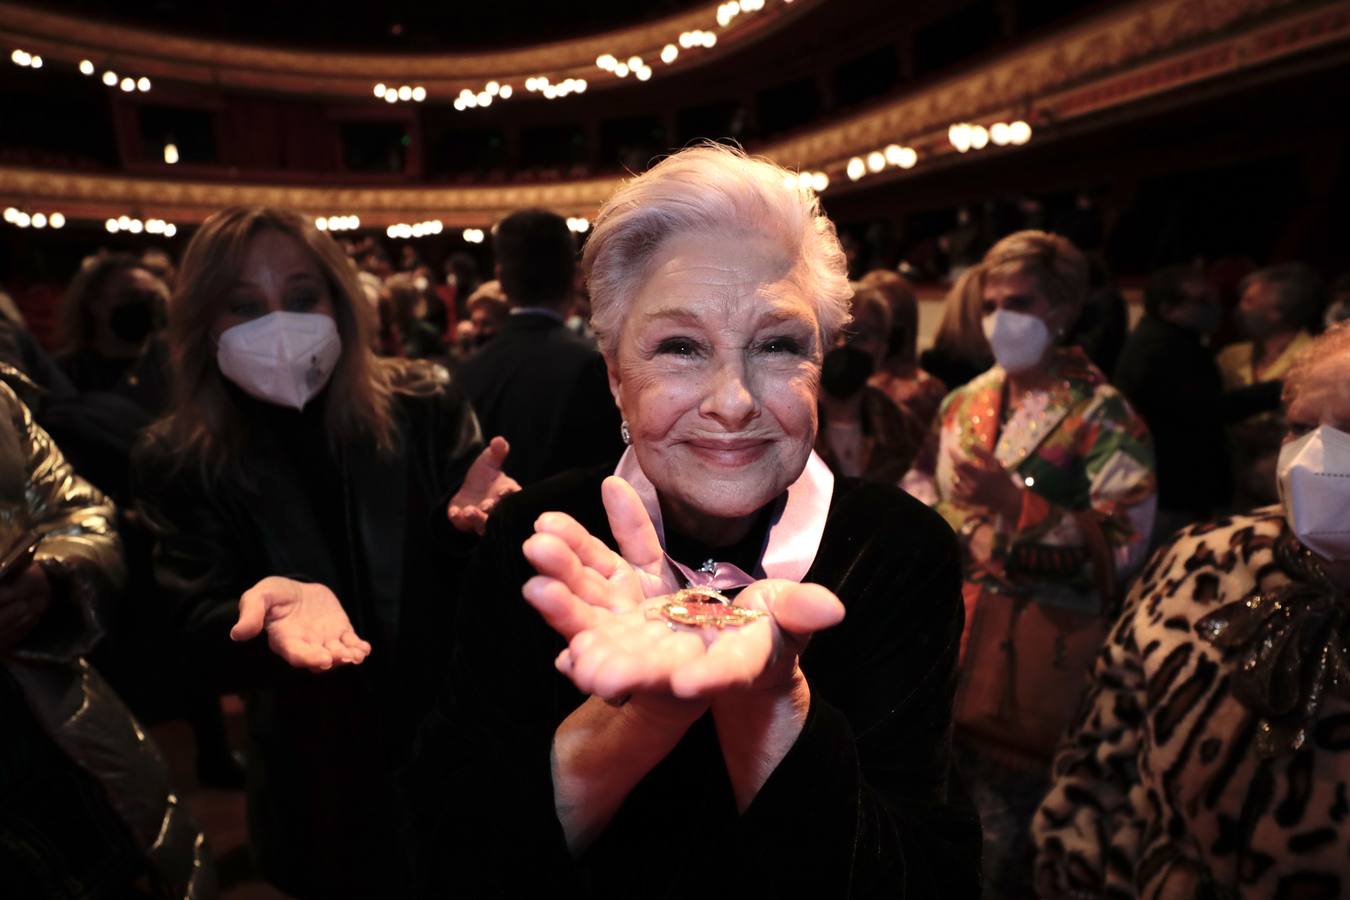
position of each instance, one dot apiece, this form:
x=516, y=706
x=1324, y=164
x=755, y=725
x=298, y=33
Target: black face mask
x=132, y=322
x=844, y=372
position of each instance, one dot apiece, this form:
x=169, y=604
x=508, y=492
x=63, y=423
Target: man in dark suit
x=536, y=383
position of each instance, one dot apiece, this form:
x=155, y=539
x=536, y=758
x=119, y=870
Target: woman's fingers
x=799, y=609
x=564, y=611
x=300, y=653
x=553, y=558
x=632, y=527
x=735, y=659
x=592, y=551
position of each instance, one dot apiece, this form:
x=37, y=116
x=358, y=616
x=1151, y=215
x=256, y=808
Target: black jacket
x=862, y=805
x=546, y=391
x=322, y=815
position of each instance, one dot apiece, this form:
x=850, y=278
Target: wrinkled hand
x=24, y=599
x=599, y=600
x=981, y=481
x=483, y=486
x=305, y=624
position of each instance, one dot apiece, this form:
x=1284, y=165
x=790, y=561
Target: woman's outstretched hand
x=484, y=485
x=607, y=606
x=305, y=624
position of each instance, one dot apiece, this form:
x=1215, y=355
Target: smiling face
x=278, y=275
x=716, y=370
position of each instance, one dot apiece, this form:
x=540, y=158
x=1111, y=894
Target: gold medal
x=703, y=607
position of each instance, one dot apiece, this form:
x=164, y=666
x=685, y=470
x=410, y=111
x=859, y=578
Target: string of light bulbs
x=21, y=219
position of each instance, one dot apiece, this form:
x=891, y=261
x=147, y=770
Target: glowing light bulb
x=506, y=91
x=143, y=84
x=86, y=67
x=20, y=58
x=171, y=154
x=391, y=96
x=11, y=214
x=856, y=168
x=1019, y=132
x=23, y=220
x=124, y=223
x=892, y=153
x=908, y=157
x=110, y=78
x=635, y=62
x=644, y=74
x=709, y=39
x=606, y=61
x=582, y=85
x=998, y=133
x=380, y=89
x=405, y=93
x=321, y=223
x=419, y=94
x=492, y=88
x=621, y=70
x=112, y=226
x=391, y=231
x=136, y=227
x=484, y=98
x=56, y=220
x=819, y=181
x=128, y=84
x=170, y=230
x=36, y=62
x=979, y=137
x=459, y=104
x=959, y=136
x=39, y=220
x=876, y=161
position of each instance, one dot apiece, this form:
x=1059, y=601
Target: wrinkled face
x=278, y=274
x=716, y=371
x=1319, y=396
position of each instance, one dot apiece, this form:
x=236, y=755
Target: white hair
x=712, y=189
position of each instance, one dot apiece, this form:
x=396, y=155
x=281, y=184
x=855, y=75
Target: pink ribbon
x=794, y=534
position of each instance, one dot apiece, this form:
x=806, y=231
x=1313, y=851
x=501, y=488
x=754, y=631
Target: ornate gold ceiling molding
x=193, y=60
x=1143, y=51
x=83, y=196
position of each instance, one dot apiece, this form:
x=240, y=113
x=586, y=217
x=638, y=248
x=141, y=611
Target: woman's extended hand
x=981, y=481
x=600, y=602
x=484, y=485
x=305, y=624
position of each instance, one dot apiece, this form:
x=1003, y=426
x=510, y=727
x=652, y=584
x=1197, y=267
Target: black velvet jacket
x=373, y=528
x=864, y=804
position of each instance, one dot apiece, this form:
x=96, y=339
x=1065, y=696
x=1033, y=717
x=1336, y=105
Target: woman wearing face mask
x=1210, y=758
x=291, y=450
x=1048, y=476
x=863, y=432
x=114, y=304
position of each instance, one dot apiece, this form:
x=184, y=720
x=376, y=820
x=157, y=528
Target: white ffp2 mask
x=1314, y=479
x=283, y=357
x=1018, y=340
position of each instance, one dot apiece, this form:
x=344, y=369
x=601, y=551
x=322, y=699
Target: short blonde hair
x=711, y=188
x=1057, y=266
x=1333, y=345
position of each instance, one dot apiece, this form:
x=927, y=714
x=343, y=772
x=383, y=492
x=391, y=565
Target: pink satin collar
x=794, y=534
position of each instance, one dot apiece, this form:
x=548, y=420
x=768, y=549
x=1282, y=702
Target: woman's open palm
x=607, y=606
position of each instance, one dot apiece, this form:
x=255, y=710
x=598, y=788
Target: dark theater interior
x=801, y=448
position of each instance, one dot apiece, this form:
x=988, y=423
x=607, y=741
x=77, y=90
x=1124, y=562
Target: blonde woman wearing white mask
x=1048, y=476
x=1211, y=757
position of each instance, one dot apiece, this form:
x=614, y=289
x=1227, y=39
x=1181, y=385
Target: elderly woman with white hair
x=734, y=671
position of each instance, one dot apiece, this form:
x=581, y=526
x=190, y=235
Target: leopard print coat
x=1158, y=791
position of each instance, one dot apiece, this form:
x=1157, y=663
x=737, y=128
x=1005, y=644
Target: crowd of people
x=670, y=562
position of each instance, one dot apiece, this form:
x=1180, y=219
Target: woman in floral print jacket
x=1048, y=476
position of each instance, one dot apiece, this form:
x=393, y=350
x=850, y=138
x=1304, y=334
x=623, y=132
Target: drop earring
x=624, y=433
